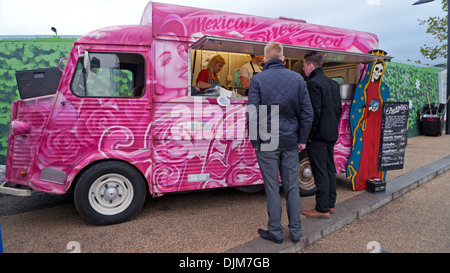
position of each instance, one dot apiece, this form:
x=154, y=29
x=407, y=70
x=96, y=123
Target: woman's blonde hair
x=214, y=60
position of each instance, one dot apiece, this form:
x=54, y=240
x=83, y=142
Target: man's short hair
x=273, y=50
x=314, y=58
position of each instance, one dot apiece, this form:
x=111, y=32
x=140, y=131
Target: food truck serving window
x=236, y=52
x=214, y=43
x=109, y=75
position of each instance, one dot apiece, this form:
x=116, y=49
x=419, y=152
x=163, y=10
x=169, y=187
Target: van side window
x=109, y=75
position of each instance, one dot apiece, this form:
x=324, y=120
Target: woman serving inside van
x=209, y=77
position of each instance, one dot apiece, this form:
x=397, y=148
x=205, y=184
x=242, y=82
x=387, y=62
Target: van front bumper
x=14, y=189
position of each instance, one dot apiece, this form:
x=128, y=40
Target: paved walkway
x=214, y=221
x=356, y=207
x=417, y=222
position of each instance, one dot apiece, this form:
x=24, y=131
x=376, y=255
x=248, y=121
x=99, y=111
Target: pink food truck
x=127, y=120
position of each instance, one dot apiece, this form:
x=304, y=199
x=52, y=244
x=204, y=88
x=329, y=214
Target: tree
x=437, y=27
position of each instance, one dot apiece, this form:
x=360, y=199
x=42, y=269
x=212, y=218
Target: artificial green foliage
x=411, y=84
x=24, y=54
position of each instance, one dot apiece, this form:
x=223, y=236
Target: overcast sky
x=395, y=22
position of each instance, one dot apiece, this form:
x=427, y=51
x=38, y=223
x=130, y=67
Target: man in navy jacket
x=326, y=101
x=279, y=119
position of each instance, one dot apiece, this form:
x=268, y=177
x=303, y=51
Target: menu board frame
x=393, y=136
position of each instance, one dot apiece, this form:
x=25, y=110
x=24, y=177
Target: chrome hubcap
x=111, y=194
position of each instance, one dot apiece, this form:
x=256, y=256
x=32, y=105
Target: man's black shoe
x=266, y=236
x=296, y=240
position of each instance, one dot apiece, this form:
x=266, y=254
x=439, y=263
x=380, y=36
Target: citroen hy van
x=127, y=121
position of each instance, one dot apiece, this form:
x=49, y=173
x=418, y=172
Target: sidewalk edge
x=347, y=211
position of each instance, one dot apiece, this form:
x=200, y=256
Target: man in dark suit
x=326, y=102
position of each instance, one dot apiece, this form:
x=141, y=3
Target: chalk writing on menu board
x=393, y=136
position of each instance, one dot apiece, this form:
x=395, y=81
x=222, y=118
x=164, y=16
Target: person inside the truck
x=209, y=77
x=248, y=70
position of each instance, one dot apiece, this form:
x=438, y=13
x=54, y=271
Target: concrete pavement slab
x=347, y=211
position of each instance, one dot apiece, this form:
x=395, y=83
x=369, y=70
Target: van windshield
x=109, y=75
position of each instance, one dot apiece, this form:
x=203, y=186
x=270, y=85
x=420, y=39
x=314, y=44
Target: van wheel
x=305, y=177
x=109, y=192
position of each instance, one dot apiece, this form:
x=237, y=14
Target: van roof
x=119, y=35
x=202, y=28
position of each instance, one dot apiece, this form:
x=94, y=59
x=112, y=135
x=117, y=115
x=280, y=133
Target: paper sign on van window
x=223, y=101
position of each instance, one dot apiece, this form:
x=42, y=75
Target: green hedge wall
x=408, y=83
x=24, y=54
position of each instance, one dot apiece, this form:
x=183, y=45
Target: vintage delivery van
x=127, y=122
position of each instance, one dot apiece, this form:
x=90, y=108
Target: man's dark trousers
x=324, y=172
x=286, y=161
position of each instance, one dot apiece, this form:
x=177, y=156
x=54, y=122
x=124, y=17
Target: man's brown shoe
x=312, y=213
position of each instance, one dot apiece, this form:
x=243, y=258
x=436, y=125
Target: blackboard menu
x=393, y=136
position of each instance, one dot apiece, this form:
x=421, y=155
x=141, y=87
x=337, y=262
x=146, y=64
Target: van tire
x=305, y=176
x=109, y=192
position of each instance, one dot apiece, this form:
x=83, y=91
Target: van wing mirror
x=86, y=61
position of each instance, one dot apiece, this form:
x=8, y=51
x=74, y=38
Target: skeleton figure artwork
x=365, y=125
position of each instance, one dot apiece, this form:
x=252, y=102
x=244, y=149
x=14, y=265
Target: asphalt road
x=207, y=221
x=418, y=221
